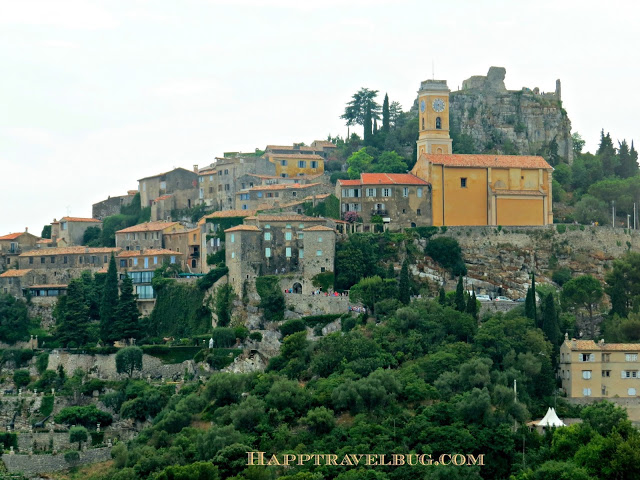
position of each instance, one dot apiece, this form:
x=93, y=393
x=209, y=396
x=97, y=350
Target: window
x=144, y=186
x=267, y=226
x=422, y=123
x=288, y=252
x=30, y=259
x=233, y=254
x=267, y=236
x=80, y=259
x=631, y=392
x=386, y=192
x=288, y=225
x=233, y=238
x=145, y=235
x=301, y=225
x=259, y=194
x=418, y=212
x=135, y=261
x=211, y=178
x=606, y=357
x=371, y=192
x=463, y=183
x=63, y=225
x=173, y=259
x=105, y=260
x=220, y=173
x=318, y=253
x=287, y=236
x=128, y=236
x=438, y=123
x=300, y=236
x=267, y=252
x=629, y=374
x=606, y=373
x=210, y=189
x=301, y=253
x=419, y=192
x=586, y=392
x=155, y=260
x=226, y=172
x=123, y=263
x=53, y=259
x=302, y=164
x=144, y=291
x=631, y=357
x=319, y=239
x=586, y=374
x=244, y=196
x=586, y=357
x=405, y=191
x=314, y=164
x=245, y=206
x=226, y=187
x=65, y=259
x=163, y=185
x=42, y=259
x=146, y=262
x=283, y=163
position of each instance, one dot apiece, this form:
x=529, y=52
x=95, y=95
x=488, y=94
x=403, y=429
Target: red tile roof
x=301, y=156
x=44, y=240
x=147, y=253
x=227, y=214
x=483, y=161
x=285, y=218
x=280, y=186
x=319, y=228
x=591, y=345
x=77, y=219
x=290, y=147
x=48, y=252
x=349, y=183
x=15, y=273
x=148, y=227
x=163, y=197
x=243, y=228
x=391, y=179
x=12, y=236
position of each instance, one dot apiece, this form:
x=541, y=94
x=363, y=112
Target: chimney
x=195, y=168
x=86, y=249
x=26, y=229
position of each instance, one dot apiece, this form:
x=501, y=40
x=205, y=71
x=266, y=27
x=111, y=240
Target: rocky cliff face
x=514, y=122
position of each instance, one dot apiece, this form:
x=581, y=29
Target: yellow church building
x=476, y=189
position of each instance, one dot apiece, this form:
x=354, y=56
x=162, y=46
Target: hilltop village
x=282, y=299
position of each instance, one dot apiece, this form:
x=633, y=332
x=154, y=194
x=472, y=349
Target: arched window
x=438, y=123
x=422, y=123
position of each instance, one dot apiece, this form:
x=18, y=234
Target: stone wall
x=42, y=307
x=307, y=305
x=35, y=464
x=104, y=366
x=485, y=110
x=110, y=206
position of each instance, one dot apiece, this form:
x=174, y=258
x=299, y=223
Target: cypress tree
x=109, y=302
x=550, y=320
x=127, y=314
x=472, y=306
x=533, y=299
x=405, y=291
x=442, y=297
x=375, y=126
x=385, y=114
x=367, y=126
x=528, y=305
x=460, y=303
x=391, y=273
x=73, y=326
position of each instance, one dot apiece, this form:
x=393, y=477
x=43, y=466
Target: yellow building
x=476, y=189
x=296, y=164
x=599, y=370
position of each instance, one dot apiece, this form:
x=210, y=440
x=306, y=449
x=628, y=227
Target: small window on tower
x=422, y=123
x=463, y=183
x=438, y=123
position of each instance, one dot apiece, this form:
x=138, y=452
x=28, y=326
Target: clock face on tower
x=438, y=105
x=422, y=106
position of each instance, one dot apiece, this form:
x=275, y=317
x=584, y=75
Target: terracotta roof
x=78, y=219
x=104, y=269
x=591, y=345
x=15, y=273
x=280, y=186
x=227, y=214
x=148, y=227
x=48, y=286
x=163, y=197
x=290, y=147
x=12, y=236
x=391, y=179
x=243, y=228
x=318, y=228
x=285, y=218
x=302, y=200
x=147, y=253
x=44, y=240
x=301, y=156
x=68, y=251
x=349, y=183
x=495, y=161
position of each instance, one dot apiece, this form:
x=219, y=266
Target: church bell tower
x=433, y=118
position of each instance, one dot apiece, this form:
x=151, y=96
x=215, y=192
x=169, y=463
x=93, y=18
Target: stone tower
x=433, y=105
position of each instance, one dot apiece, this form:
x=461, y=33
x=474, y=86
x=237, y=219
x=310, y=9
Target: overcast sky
x=96, y=94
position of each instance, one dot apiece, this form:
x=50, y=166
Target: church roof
x=484, y=161
x=391, y=179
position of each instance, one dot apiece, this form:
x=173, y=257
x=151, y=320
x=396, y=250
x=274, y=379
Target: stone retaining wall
x=35, y=464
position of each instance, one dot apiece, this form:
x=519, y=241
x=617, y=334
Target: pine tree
x=404, y=293
x=109, y=303
x=550, y=320
x=460, y=303
x=607, y=154
x=127, y=315
x=73, y=324
x=627, y=164
x=442, y=297
x=367, y=126
x=385, y=114
x=472, y=306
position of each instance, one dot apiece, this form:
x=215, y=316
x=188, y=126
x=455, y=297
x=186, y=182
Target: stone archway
x=297, y=288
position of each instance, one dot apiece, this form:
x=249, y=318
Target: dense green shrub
x=87, y=416
x=271, y=297
x=21, y=378
x=292, y=326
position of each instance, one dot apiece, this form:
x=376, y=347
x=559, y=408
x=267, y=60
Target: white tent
x=551, y=420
